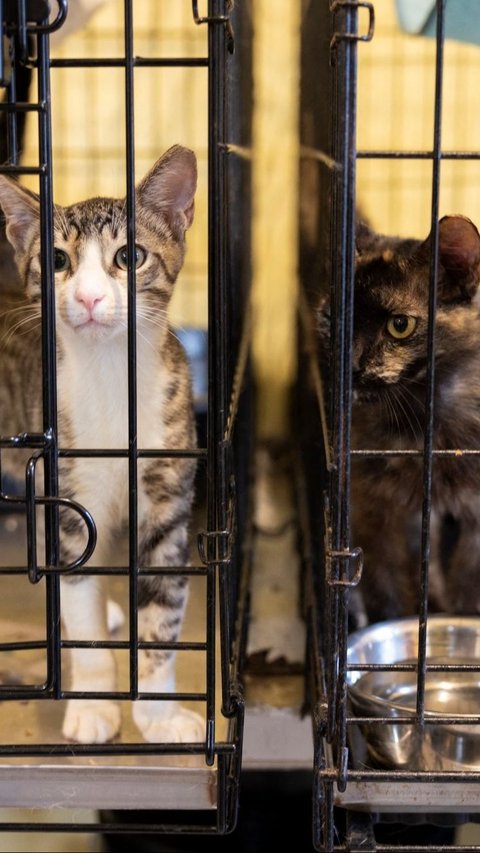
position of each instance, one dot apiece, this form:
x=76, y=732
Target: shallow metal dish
x=453, y=743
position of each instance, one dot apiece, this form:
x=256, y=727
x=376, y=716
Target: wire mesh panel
x=183, y=772
x=394, y=722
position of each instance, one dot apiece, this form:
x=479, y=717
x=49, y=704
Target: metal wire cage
x=189, y=787
x=353, y=793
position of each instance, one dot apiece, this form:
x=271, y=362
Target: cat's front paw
x=91, y=720
x=179, y=725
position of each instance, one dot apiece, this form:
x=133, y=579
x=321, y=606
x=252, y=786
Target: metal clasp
x=337, y=5
x=31, y=503
x=351, y=556
x=216, y=541
x=217, y=19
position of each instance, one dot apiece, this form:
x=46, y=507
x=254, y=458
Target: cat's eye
x=122, y=261
x=61, y=260
x=401, y=326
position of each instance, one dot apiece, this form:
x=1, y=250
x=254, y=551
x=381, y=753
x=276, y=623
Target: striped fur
x=92, y=371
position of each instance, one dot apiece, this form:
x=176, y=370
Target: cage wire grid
x=349, y=794
x=221, y=553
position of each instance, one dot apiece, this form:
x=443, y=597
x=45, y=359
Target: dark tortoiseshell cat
x=92, y=370
x=389, y=381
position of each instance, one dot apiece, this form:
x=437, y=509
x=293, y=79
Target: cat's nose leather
x=89, y=300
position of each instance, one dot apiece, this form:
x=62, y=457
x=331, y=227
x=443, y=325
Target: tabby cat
x=91, y=309
x=389, y=392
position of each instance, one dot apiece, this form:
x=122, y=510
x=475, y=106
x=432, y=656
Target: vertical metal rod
x=22, y=35
x=52, y=555
x=430, y=380
x=344, y=239
x=132, y=348
x=12, y=132
x=31, y=520
x=3, y=61
x=348, y=250
x=217, y=496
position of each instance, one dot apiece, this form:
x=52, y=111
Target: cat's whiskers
x=391, y=411
x=124, y=324
x=157, y=318
x=34, y=316
x=401, y=398
x=16, y=310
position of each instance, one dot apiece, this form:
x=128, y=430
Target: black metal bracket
x=216, y=542
x=42, y=442
x=31, y=502
x=217, y=19
x=338, y=5
x=352, y=556
x=19, y=20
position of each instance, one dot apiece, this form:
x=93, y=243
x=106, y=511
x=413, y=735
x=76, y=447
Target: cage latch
x=42, y=442
x=353, y=558
x=32, y=500
x=214, y=546
x=338, y=5
x=217, y=19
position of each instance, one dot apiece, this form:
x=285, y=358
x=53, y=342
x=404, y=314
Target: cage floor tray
x=151, y=781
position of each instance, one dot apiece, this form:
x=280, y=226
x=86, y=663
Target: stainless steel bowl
x=450, y=744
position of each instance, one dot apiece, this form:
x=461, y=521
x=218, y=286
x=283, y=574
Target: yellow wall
x=88, y=116
x=395, y=98
x=275, y=216
x=171, y=106
x=395, y=111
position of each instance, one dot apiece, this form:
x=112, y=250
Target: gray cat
x=389, y=387
x=91, y=309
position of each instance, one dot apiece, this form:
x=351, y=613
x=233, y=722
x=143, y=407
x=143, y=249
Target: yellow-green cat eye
x=121, y=257
x=401, y=326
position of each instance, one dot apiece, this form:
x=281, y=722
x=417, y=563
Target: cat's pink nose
x=89, y=300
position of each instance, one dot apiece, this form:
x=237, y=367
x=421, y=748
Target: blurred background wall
x=395, y=111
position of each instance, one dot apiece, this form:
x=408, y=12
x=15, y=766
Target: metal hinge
x=217, y=19
x=352, y=556
x=214, y=542
x=338, y=5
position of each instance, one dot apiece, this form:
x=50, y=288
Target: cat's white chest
x=93, y=393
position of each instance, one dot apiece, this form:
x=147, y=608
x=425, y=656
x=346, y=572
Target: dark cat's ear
x=170, y=187
x=366, y=239
x=459, y=257
x=21, y=209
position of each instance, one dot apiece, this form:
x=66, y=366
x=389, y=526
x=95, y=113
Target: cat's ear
x=21, y=209
x=170, y=187
x=366, y=239
x=459, y=258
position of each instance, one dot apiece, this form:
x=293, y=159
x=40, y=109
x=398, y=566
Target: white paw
x=115, y=616
x=91, y=720
x=180, y=726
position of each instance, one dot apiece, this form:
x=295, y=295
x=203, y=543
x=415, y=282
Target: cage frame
x=222, y=555
x=347, y=799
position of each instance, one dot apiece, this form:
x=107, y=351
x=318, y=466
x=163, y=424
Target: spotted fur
x=92, y=371
x=389, y=389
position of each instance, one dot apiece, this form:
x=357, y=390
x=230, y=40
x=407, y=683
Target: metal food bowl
x=453, y=743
